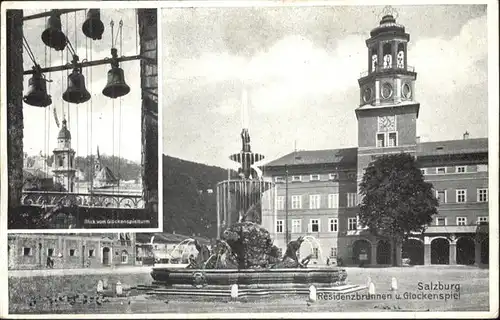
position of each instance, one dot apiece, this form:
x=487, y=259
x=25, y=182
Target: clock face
x=406, y=91
x=367, y=94
x=386, y=90
x=387, y=123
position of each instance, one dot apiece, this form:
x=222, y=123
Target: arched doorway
x=383, y=252
x=413, y=249
x=485, y=251
x=361, y=252
x=106, y=256
x=440, y=251
x=465, y=250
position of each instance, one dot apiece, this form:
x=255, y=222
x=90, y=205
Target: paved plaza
x=473, y=293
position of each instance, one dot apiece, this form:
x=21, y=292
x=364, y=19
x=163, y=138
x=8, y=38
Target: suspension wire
x=73, y=161
x=46, y=136
x=120, y=109
x=67, y=75
x=28, y=50
x=136, y=32
x=91, y=125
x=87, y=160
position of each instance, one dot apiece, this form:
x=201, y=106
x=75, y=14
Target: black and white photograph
x=82, y=118
x=302, y=159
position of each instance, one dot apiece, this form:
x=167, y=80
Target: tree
x=396, y=200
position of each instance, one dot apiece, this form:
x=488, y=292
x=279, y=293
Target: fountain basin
x=256, y=278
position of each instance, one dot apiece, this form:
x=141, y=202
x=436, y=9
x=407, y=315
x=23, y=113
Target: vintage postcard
x=311, y=159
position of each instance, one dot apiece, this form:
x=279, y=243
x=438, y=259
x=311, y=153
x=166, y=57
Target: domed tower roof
x=64, y=132
x=388, y=25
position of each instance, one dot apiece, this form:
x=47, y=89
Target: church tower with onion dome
x=63, y=165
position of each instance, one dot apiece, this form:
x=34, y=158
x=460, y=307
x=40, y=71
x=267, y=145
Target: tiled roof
x=463, y=146
x=339, y=156
x=349, y=155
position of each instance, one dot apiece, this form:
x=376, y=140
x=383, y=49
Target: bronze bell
x=93, y=26
x=116, y=86
x=53, y=36
x=76, y=91
x=37, y=93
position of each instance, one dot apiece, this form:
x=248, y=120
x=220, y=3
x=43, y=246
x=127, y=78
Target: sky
x=112, y=125
x=300, y=66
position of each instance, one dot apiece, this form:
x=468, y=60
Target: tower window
x=380, y=140
x=387, y=56
x=401, y=56
x=61, y=162
x=374, y=60
x=392, y=139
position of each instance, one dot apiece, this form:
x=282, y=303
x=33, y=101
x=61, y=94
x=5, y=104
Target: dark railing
x=382, y=69
x=103, y=200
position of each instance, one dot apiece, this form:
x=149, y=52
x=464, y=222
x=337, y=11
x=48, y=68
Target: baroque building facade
x=317, y=191
x=67, y=251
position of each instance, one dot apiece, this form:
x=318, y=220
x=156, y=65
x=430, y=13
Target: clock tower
x=387, y=111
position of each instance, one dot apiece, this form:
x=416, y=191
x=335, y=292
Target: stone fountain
x=244, y=254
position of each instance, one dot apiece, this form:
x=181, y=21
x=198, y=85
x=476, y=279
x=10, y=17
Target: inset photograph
x=82, y=119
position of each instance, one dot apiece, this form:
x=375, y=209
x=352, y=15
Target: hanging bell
x=37, y=92
x=93, y=26
x=76, y=91
x=116, y=86
x=53, y=36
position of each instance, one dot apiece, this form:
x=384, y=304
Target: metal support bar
x=48, y=13
x=90, y=64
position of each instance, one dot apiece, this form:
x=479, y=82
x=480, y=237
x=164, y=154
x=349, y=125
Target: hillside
x=188, y=207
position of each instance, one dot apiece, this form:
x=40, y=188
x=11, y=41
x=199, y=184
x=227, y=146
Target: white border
x=492, y=161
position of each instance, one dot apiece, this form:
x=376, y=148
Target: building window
x=314, y=201
x=124, y=257
x=461, y=195
x=296, y=178
x=461, y=221
x=380, y=140
x=481, y=220
x=460, y=169
x=440, y=221
x=333, y=252
x=279, y=179
x=314, y=225
x=393, y=139
x=333, y=176
x=61, y=162
x=315, y=253
x=279, y=226
x=441, y=170
x=296, y=225
x=351, y=199
x=351, y=175
x=482, y=168
x=72, y=252
x=91, y=253
x=280, y=202
x=50, y=252
x=315, y=177
x=27, y=252
x=352, y=223
x=333, y=200
x=424, y=171
x=441, y=196
x=333, y=224
x=296, y=202
x=482, y=195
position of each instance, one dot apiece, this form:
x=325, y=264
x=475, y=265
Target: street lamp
x=286, y=206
